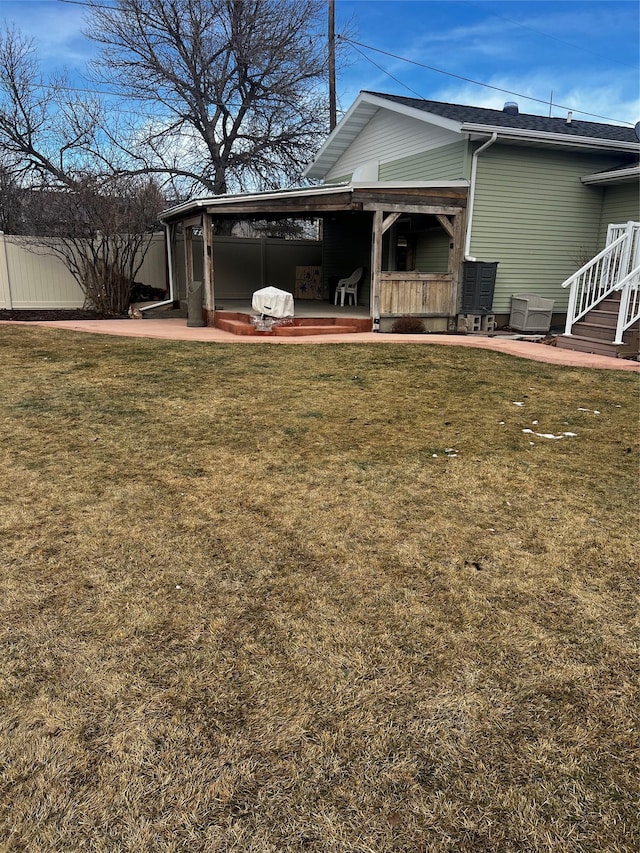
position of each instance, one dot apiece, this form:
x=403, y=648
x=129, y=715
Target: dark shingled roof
x=522, y=121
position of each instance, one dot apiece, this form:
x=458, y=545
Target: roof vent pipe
x=569, y=117
x=510, y=108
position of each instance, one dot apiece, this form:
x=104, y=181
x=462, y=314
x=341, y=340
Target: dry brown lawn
x=326, y=599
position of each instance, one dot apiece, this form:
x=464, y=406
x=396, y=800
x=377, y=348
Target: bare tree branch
x=62, y=179
x=244, y=78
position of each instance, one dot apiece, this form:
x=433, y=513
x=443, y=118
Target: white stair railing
x=629, y=312
x=604, y=273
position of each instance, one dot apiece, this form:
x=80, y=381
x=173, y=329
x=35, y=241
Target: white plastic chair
x=348, y=287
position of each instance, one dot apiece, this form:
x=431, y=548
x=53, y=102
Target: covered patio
x=408, y=238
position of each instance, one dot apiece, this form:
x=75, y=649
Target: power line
x=88, y=5
x=468, y=80
x=357, y=44
x=388, y=73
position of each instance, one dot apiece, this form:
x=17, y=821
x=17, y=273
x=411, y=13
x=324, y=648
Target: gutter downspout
x=167, y=237
x=472, y=191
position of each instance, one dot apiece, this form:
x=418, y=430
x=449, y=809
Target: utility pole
x=332, y=66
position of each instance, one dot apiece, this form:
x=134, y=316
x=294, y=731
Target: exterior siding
x=388, y=137
x=534, y=216
x=447, y=163
x=621, y=203
x=432, y=252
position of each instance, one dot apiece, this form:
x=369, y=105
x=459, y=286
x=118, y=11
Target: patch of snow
x=548, y=434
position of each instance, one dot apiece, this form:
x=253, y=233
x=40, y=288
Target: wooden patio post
x=187, y=236
x=456, y=257
x=453, y=227
x=208, y=269
x=376, y=268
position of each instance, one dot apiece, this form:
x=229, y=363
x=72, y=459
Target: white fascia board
x=520, y=135
x=412, y=112
x=619, y=176
x=355, y=120
x=202, y=203
x=183, y=207
x=399, y=185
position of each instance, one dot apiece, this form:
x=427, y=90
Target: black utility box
x=478, y=285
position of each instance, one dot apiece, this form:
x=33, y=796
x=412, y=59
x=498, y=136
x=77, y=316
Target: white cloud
x=603, y=99
x=56, y=29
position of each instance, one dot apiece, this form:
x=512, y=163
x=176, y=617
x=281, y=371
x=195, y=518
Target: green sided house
x=448, y=206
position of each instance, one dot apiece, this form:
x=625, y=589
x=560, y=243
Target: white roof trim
x=259, y=196
x=613, y=177
x=555, y=138
x=412, y=112
x=355, y=120
x=392, y=185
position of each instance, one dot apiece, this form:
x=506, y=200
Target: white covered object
x=273, y=302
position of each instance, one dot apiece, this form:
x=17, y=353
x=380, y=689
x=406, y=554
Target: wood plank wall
x=416, y=293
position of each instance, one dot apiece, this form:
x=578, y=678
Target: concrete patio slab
x=177, y=330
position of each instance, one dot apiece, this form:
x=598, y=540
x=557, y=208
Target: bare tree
x=101, y=230
x=240, y=86
x=10, y=200
x=48, y=132
x=63, y=180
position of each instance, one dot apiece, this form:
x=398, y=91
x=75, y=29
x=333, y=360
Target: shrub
x=407, y=325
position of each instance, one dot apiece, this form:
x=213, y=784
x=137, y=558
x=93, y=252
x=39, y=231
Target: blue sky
x=584, y=51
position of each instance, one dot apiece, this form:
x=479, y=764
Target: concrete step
x=241, y=327
x=336, y=329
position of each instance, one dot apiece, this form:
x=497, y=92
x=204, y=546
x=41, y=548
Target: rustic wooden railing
x=417, y=293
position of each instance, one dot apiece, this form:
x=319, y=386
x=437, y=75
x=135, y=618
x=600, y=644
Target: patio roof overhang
x=445, y=198
x=383, y=204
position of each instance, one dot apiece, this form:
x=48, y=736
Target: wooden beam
x=376, y=266
x=388, y=222
x=410, y=195
x=187, y=237
x=446, y=224
x=207, y=263
x=308, y=205
x=456, y=257
x=430, y=209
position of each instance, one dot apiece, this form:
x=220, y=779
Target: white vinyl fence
x=30, y=277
